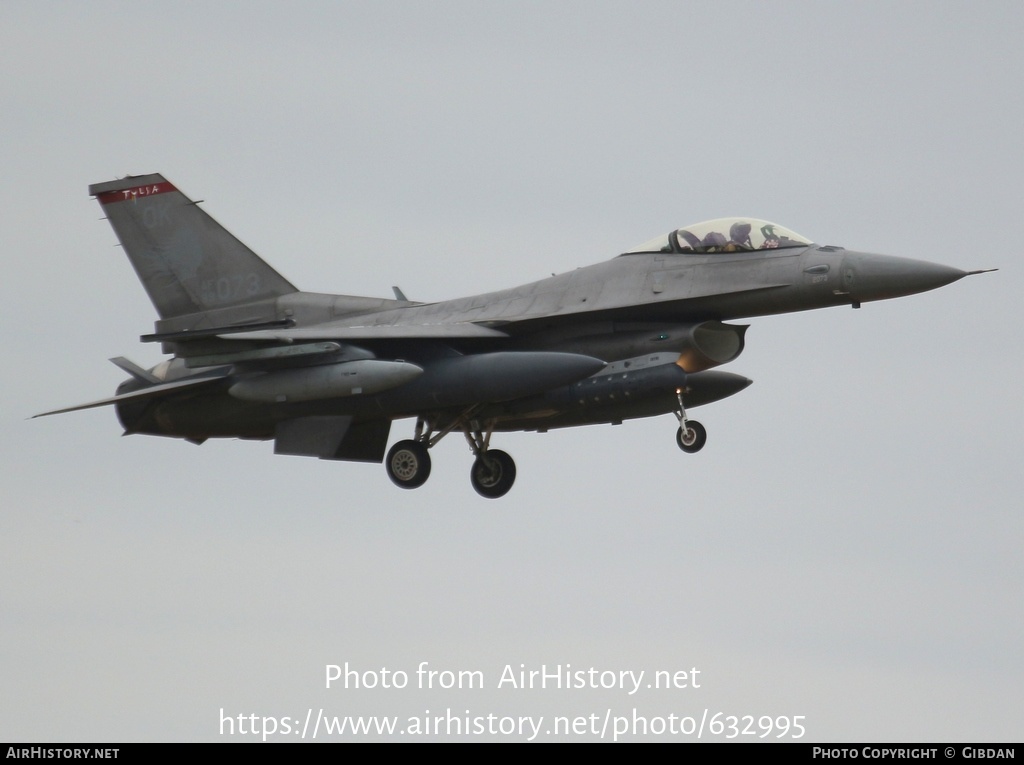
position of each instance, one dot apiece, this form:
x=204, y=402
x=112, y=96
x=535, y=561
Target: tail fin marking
x=187, y=262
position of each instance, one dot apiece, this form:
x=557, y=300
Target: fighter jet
x=639, y=335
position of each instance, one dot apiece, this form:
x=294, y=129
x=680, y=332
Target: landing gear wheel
x=693, y=438
x=493, y=474
x=408, y=464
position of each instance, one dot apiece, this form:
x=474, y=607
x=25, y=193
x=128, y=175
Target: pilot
x=739, y=237
x=714, y=242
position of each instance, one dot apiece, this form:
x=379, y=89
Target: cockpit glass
x=725, y=235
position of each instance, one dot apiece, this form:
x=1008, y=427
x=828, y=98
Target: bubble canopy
x=724, y=235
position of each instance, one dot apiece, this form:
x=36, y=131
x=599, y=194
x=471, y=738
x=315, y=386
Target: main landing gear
x=691, y=435
x=493, y=471
x=408, y=464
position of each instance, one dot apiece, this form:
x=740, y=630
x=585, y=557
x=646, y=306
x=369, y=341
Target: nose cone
x=877, y=277
x=713, y=385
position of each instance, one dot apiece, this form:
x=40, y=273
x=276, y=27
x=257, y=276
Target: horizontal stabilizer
x=155, y=390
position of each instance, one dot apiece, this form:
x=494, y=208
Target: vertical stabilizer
x=187, y=262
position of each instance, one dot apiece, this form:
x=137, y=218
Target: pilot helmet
x=713, y=240
x=739, y=232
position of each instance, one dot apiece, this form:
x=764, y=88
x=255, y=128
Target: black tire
x=493, y=474
x=408, y=464
x=694, y=439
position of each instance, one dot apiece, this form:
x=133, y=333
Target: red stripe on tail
x=136, y=192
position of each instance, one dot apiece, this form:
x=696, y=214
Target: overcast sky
x=846, y=547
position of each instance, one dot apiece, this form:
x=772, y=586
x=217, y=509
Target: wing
x=464, y=330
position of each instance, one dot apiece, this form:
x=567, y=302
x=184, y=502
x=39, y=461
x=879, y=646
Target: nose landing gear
x=693, y=438
x=691, y=435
